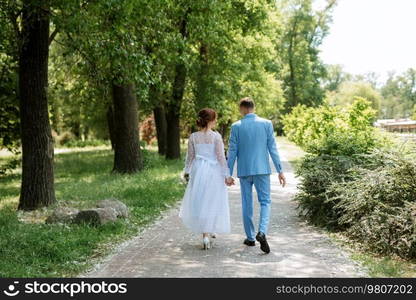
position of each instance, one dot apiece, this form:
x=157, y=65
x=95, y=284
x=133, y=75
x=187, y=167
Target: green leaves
x=399, y=95
x=348, y=91
x=355, y=179
x=333, y=130
x=9, y=104
x=378, y=205
x=302, y=70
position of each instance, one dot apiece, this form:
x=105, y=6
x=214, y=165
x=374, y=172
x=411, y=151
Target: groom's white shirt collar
x=250, y=115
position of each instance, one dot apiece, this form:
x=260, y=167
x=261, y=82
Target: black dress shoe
x=249, y=243
x=264, y=246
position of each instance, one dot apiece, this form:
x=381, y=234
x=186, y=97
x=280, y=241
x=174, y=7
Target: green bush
x=378, y=205
x=333, y=130
x=9, y=165
x=74, y=143
x=335, y=138
x=354, y=179
x=317, y=173
x=68, y=140
x=64, y=138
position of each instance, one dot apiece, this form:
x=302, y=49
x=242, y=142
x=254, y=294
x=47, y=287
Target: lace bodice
x=207, y=145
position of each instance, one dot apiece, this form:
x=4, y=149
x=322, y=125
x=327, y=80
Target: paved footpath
x=167, y=249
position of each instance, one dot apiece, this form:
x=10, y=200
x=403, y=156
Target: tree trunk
x=202, y=93
x=173, y=148
x=110, y=124
x=293, y=97
x=37, y=187
x=159, y=114
x=76, y=121
x=161, y=128
x=127, y=155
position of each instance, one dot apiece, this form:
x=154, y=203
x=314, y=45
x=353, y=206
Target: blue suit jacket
x=251, y=142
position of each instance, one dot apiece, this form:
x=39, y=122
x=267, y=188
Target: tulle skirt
x=205, y=203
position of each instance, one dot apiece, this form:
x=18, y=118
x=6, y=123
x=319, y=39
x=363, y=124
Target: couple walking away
x=205, y=207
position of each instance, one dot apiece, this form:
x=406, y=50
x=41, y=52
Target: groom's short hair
x=247, y=102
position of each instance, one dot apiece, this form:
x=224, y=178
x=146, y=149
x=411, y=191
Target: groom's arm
x=271, y=145
x=232, y=149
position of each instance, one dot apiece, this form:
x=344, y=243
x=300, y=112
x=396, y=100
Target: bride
x=204, y=206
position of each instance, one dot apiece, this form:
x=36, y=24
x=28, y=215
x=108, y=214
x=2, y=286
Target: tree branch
x=82, y=53
x=13, y=19
x=322, y=17
x=53, y=35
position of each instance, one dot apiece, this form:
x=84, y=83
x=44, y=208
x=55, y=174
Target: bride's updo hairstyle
x=205, y=116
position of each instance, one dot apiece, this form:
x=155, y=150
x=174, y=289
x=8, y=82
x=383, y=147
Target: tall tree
x=126, y=136
x=203, y=80
x=109, y=37
x=232, y=55
x=399, y=95
x=173, y=107
x=159, y=114
x=304, y=31
x=348, y=92
x=335, y=76
x=37, y=188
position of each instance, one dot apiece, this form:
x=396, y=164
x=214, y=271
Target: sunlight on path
x=166, y=249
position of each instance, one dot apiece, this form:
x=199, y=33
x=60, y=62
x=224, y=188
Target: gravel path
x=167, y=249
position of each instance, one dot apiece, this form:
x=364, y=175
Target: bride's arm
x=190, y=155
x=219, y=151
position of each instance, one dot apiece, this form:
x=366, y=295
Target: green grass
x=386, y=266
x=82, y=178
x=377, y=265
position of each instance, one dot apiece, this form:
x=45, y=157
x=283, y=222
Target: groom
x=251, y=142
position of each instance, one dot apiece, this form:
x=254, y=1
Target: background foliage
x=355, y=179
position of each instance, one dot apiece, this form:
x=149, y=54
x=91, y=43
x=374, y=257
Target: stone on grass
x=63, y=215
x=120, y=208
x=96, y=216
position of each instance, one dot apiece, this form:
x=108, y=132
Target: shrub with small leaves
x=355, y=179
x=378, y=206
x=334, y=130
x=317, y=174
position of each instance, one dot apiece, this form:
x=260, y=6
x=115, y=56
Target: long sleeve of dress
x=190, y=155
x=219, y=151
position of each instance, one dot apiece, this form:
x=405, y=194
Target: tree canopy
x=111, y=69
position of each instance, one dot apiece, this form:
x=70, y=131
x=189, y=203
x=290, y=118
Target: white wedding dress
x=205, y=203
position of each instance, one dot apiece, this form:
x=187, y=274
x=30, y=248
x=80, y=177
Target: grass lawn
x=33, y=249
x=377, y=265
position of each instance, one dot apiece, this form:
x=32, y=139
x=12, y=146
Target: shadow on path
x=167, y=249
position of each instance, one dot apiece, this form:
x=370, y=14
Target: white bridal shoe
x=206, y=243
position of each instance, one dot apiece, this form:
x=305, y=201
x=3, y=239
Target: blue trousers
x=262, y=185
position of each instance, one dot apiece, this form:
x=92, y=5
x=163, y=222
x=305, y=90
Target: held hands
x=229, y=181
x=282, y=179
